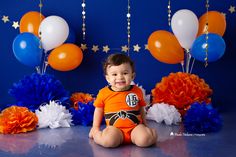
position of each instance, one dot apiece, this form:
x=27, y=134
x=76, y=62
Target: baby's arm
x=97, y=119
x=143, y=115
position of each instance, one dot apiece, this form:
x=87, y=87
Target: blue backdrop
x=106, y=24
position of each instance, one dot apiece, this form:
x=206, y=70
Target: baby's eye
x=113, y=74
x=125, y=73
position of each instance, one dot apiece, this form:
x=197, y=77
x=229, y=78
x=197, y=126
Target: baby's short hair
x=116, y=60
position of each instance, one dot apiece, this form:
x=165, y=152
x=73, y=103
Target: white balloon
x=184, y=24
x=53, y=31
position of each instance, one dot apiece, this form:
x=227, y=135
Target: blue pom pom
x=202, y=118
x=36, y=89
x=84, y=115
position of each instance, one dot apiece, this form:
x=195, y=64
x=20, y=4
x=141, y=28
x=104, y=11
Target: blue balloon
x=71, y=37
x=26, y=48
x=216, y=47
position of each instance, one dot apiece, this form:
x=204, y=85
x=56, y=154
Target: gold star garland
x=231, y=9
x=128, y=15
x=42, y=69
x=83, y=18
x=14, y=24
x=5, y=19
x=40, y=17
x=124, y=48
x=136, y=48
x=206, y=47
x=106, y=48
x=40, y=8
x=169, y=13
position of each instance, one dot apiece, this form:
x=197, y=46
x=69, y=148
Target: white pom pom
x=146, y=97
x=164, y=112
x=53, y=115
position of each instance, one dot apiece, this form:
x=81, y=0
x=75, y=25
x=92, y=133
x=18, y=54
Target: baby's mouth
x=120, y=83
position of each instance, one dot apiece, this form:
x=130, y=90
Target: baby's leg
x=143, y=136
x=109, y=137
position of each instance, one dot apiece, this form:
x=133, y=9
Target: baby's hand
x=93, y=131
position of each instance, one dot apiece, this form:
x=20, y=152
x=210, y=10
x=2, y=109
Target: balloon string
x=182, y=65
x=45, y=67
x=192, y=65
x=38, y=69
x=45, y=63
x=188, y=58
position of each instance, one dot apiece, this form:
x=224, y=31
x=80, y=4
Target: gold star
x=5, y=19
x=106, y=48
x=224, y=14
x=232, y=9
x=95, y=48
x=40, y=5
x=136, y=48
x=146, y=46
x=83, y=46
x=205, y=29
x=15, y=24
x=124, y=48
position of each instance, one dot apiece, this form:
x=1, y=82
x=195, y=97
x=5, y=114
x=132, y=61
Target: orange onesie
x=121, y=109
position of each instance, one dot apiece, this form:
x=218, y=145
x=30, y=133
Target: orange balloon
x=216, y=23
x=165, y=47
x=30, y=22
x=65, y=57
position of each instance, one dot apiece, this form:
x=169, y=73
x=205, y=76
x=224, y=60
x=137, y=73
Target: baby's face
x=120, y=77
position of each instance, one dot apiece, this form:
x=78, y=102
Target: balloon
x=165, y=47
x=216, y=47
x=216, y=23
x=71, y=37
x=26, y=48
x=184, y=24
x=30, y=22
x=53, y=31
x=65, y=57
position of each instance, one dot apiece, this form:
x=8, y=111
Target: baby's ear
x=107, y=78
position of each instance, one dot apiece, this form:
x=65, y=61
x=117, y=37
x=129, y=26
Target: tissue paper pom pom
x=181, y=90
x=163, y=112
x=36, y=89
x=16, y=119
x=146, y=96
x=84, y=114
x=53, y=115
x=202, y=118
x=80, y=97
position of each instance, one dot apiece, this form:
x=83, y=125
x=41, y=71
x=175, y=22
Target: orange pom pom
x=17, y=119
x=80, y=97
x=181, y=90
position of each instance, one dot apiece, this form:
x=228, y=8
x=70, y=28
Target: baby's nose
x=120, y=76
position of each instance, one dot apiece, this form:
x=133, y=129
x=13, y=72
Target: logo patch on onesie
x=132, y=100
